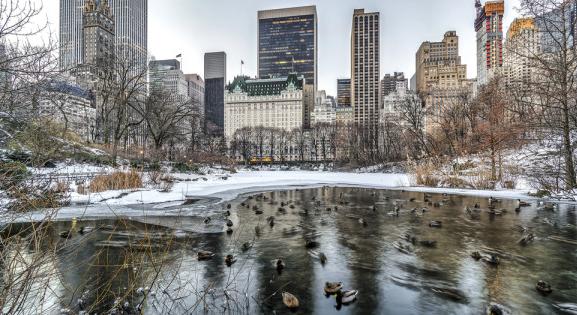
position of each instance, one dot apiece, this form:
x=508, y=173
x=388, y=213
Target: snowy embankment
x=225, y=187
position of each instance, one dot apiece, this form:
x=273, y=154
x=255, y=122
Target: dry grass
x=424, y=173
x=116, y=181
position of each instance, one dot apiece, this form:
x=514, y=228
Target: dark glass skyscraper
x=287, y=42
x=214, y=84
x=344, y=92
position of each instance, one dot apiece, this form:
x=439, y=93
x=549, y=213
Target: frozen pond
x=398, y=262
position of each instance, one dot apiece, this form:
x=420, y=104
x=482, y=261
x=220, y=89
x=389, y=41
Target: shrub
x=12, y=174
x=30, y=199
x=185, y=168
x=116, y=181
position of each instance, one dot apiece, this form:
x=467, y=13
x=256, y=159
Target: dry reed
x=116, y=181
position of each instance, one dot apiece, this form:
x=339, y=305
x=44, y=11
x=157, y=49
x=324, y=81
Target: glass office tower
x=287, y=42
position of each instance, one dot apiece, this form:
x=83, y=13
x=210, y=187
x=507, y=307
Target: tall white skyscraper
x=131, y=30
x=365, y=69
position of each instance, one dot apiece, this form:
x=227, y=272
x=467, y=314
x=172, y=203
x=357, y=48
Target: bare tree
x=555, y=63
x=166, y=118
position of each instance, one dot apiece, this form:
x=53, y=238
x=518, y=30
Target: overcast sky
x=193, y=27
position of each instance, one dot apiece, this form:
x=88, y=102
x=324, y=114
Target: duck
x=333, y=287
x=521, y=203
x=311, y=244
x=279, y=264
x=323, y=258
x=347, y=296
x=411, y=239
x=549, y=207
x=476, y=255
x=227, y=213
x=65, y=234
x=497, y=309
x=229, y=223
x=205, y=255
x=246, y=246
x=405, y=249
x=526, y=239
x=436, y=224
x=427, y=243
x=271, y=222
x=493, y=200
x=255, y=207
x=258, y=212
x=229, y=231
x=86, y=229
x=207, y=220
x=363, y=222
x=492, y=260
x=229, y=260
x=543, y=287
x=290, y=300
x=282, y=210
x=228, y=206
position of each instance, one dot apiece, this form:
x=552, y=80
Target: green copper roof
x=261, y=87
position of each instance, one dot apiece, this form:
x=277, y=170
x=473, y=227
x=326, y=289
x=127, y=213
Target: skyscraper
x=131, y=30
x=489, y=28
x=344, y=92
x=214, y=86
x=287, y=43
x=365, y=69
x=97, y=34
x=522, y=43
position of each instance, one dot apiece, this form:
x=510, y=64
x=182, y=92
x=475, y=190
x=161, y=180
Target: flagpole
x=241, y=64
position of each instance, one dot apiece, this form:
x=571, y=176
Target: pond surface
x=368, y=247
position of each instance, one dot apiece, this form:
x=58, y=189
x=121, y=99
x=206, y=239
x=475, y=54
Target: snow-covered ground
x=224, y=186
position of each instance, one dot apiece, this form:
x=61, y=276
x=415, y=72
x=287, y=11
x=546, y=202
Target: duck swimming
x=436, y=224
x=229, y=260
x=290, y=300
x=205, y=255
x=279, y=265
x=333, y=287
x=347, y=296
x=543, y=287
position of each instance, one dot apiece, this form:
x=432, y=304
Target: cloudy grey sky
x=193, y=27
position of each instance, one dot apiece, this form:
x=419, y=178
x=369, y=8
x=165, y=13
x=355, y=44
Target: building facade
x=365, y=69
x=344, y=92
x=97, y=34
x=272, y=103
x=441, y=79
x=439, y=64
x=195, y=85
x=166, y=76
x=68, y=104
x=521, y=45
x=287, y=43
x=325, y=111
x=130, y=30
x=489, y=28
x=214, y=89
x=390, y=82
